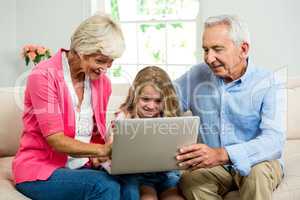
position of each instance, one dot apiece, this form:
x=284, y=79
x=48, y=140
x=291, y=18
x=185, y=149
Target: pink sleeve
x=106, y=95
x=45, y=103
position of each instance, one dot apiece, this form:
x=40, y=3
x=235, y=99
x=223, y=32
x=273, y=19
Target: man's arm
x=182, y=89
x=267, y=145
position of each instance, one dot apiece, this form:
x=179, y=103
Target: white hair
x=238, y=29
x=98, y=34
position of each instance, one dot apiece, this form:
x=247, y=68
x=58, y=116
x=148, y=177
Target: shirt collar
x=244, y=77
x=248, y=72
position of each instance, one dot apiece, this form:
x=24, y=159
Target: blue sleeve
x=181, y=87
x=268, y=145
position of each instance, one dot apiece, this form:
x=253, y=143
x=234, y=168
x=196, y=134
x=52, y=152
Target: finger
x=205, y=163
x=95, y=162
x=198, y=166
x=189, y=155
x=110, y=140
x=192, y=162
x=103, y=159
x=189, y=148
x=195, y=167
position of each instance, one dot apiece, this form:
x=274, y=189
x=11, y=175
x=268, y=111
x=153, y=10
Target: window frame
x=101, y=5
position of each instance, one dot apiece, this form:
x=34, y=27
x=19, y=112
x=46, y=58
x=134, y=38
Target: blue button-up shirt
x=247, y=116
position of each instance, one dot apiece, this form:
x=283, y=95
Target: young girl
x=152, y=95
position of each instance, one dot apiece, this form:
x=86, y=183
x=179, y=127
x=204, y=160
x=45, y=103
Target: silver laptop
x=150, y=145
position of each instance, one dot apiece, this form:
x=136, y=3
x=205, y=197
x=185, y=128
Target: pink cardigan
x=47, y=110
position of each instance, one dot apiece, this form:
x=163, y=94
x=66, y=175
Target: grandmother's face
x=95, y=64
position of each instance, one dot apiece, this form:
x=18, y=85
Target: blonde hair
x=98, y=34
x=160, y=80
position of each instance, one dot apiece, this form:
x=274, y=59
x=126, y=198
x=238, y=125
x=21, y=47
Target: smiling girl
x=152, y=95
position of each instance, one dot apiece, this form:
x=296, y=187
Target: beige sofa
x=10, y=123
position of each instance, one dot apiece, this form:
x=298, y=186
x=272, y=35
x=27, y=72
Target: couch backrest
x=293, y=117
x=11, y=108
x=118, y=96
x=11, y=114
x=11, y=102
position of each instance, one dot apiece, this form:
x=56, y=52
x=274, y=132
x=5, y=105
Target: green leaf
x=47, y=54
x=159, y=26
x=144, y=27
x=115, y=10
x=37, y=59
x=177, y=25
x=117, y=71
x=156, y=55
x=27, y=60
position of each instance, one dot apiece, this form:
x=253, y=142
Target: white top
x=83, y=114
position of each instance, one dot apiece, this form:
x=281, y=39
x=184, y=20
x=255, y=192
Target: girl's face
x=149, y=103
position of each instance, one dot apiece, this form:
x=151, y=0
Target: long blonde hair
x=160, y=80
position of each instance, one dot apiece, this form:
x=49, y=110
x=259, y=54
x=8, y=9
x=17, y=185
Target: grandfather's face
x=224, y=58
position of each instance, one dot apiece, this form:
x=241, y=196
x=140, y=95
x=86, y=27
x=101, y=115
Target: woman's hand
x=104, y=154
x=108, y=144
x=96, y=162
x=105, y=149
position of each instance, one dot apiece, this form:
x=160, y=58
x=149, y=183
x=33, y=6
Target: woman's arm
x=75, y=148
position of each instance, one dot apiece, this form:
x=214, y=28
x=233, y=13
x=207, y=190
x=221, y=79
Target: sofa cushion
x=118, y=96
x=7, y=189
x=289, y=189
x=11, y=103
x=293, y=113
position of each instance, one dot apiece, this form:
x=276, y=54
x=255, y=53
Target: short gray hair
x=98, y=34
x=238, y=29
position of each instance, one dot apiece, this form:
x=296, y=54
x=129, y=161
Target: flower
x=35, y=53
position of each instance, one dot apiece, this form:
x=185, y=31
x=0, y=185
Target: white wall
x=50, y=23
x=8, y=69
x=274, y=28
x=292, y=21
x=44, y=22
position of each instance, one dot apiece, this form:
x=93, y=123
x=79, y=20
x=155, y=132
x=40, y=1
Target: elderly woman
x=64, y=118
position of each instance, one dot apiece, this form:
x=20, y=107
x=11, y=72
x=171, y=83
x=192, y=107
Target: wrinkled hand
x=96, y=162
x=201, y=156
x=107, y=147
x=109, y=141
x=103, y=155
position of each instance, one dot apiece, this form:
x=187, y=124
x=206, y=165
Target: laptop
x=150, y=144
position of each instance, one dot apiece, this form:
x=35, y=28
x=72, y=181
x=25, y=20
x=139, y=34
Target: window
x=157, y=32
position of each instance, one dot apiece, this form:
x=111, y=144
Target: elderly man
x=242, y=111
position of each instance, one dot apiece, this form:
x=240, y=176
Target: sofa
x=11, y=125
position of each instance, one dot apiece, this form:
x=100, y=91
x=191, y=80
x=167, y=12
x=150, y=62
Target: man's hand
x=201, y=156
